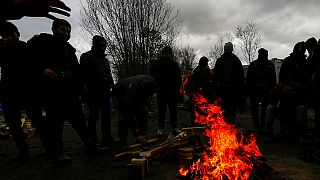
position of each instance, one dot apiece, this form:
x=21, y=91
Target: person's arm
x=16, y=9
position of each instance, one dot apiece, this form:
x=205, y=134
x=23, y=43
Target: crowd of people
x=58, y=84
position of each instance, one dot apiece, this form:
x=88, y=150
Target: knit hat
x=203, y=61
x=228, y=46
x=262, y=53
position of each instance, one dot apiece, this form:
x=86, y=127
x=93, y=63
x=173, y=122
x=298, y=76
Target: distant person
x=16, y=9
x=313, y=69
x=228, y=79
x=18, y=86
x=167, y=75
x=261, y=79
x=61, y=83
x=95, y=69
x=293, y=79
x=199, y=82
x=132, y=95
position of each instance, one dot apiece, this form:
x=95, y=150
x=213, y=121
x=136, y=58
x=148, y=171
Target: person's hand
x=42, y=8
x=50, y=73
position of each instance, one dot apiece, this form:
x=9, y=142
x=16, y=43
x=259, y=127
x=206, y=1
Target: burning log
x=230, y=155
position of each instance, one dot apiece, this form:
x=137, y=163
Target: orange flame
x=185, y=80
x=230, y=155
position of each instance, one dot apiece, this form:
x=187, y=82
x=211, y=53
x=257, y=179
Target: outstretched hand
x=42, y=8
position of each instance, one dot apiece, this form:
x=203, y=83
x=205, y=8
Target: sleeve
x=284, y=73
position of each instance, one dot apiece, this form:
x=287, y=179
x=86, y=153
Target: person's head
x=167, y=52
x=61, y=29
x=311, y=43
x=228, y=47
x=99, y=44
x=299, y=48
x=203, y=61
x=262, y=53
x=9, y=32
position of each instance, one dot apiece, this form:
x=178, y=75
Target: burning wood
x=230, y=155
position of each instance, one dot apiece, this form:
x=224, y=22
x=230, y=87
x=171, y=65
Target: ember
x=230, y=154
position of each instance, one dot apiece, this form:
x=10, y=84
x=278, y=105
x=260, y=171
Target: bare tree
x=250, y=40
x=186, y=57
x=217, y=47
x=134, y=30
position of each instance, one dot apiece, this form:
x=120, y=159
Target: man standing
x=61, y=85
x=261, y=79
x=18, y=86
x=293, y=95
x=229, y=82
x=167, y=75
x=98, y=82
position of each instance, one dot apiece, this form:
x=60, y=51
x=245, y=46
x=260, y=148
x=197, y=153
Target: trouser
x=170, y=101
x=294, y=118
x=101, y=105
x=13, y=105
x=255, y=100
x=229, y=107
x=57, y=109
x=134, y=118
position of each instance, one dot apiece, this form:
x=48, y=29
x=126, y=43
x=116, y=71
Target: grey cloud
x=282, y=23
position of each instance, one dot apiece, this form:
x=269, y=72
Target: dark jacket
x=96, y=73
x=294, y=78
x=261, y=76
x=14, y=65
x=199, y=81
x=134, y=91
x=60, y=57
x=167, y=75
x=228, y=76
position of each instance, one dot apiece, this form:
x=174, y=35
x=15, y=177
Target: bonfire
x=230, y=154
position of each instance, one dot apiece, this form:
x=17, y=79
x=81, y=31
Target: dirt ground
x=284, y=156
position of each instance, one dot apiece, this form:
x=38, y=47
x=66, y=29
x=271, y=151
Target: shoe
x=160, y=132
x=63, y=159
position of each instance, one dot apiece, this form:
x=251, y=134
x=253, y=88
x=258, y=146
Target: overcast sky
x=282, y=23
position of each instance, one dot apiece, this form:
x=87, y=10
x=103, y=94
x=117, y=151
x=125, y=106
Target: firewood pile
x=187, y=146
x=179, y=144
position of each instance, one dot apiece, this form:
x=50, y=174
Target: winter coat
x=17, y=71
x=228, y=76
x=60, y=57
x=134, y=91
x=294, y=78
x=199, y=81
x=261, y=76
x=96, y=73
x=167, y=75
